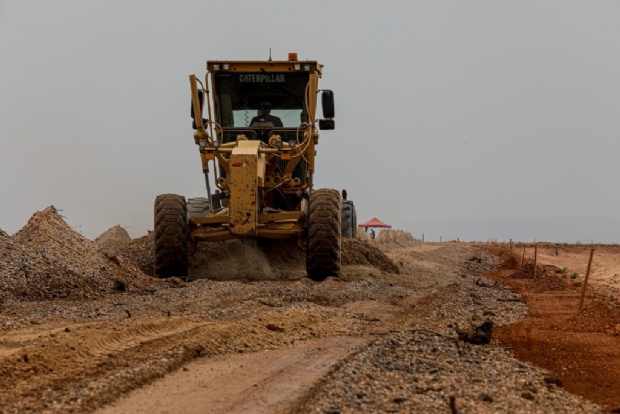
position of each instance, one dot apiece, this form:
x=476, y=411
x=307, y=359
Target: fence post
x=585, y=282
x=535, y=258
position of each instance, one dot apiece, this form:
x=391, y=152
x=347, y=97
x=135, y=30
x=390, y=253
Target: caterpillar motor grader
x=257, y=140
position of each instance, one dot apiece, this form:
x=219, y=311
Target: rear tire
x=324, y=226
x=349, y=219
x=197, y=207
x=170, y=236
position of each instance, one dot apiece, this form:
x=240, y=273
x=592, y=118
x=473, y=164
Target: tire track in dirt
x=263, y=382
x=93, y=364
x=122, y=341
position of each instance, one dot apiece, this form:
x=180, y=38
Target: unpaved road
x=278, y=346
x=79, y=355
x=262, y=382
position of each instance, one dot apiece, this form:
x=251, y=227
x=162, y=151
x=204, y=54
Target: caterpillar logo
x=261, y=77
x=238, y=164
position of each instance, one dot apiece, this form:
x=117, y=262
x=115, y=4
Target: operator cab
x=258, y=104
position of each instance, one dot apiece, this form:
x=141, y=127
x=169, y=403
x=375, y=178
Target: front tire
x=170, y=236
x=324, y=227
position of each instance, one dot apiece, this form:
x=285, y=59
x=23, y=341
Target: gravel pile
x=139, y=252
x=113, y=235
x=47, y=260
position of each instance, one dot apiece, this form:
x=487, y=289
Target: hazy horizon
x=580, y=230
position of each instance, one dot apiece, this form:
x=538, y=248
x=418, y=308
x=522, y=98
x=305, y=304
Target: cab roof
x=264, y=66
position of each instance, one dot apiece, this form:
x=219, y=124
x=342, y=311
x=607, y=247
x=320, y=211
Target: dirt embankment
x=580, y=349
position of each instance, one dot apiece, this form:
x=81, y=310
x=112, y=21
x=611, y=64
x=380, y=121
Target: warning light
x=292, y=56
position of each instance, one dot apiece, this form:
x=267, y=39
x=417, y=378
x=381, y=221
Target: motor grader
x=257, y=140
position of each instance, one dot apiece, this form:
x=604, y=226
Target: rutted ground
x=83, y=326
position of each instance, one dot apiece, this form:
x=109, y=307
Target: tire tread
x=170, y=227
x=324, y=227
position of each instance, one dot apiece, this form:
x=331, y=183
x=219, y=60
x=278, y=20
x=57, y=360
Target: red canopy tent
x=375, y=222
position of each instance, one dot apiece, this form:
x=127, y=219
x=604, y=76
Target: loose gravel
x=426, y=368
x=423, y=371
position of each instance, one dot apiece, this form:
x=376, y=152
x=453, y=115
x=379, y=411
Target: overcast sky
x=483, y=114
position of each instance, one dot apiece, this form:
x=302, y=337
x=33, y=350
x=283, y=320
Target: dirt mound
x=390, y=237
x=116, y=234
x=13, y=265
x=383, y=237
x=362, y=235
x=400, y=237
x=526, y=272
x=51, y=260
x=511, y=262
x=358, y=252
x=597, y=316
x=548, y=278
x=139, y=252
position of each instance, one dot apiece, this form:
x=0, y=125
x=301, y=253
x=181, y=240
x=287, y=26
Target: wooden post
x=422, y=237
x=585, y=282
x=535, y=258
x=522, y=258
x=510, y=249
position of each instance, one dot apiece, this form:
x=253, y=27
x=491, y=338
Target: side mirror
x=326, y=124
x=201, y=101
x=327, y=102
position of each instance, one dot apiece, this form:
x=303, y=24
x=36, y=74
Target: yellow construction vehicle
x=257, y=140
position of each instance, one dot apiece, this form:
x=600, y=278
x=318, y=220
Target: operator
x=303, y=117
x=265, y=108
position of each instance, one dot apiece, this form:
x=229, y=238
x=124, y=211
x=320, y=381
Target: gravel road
x=81, y=331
